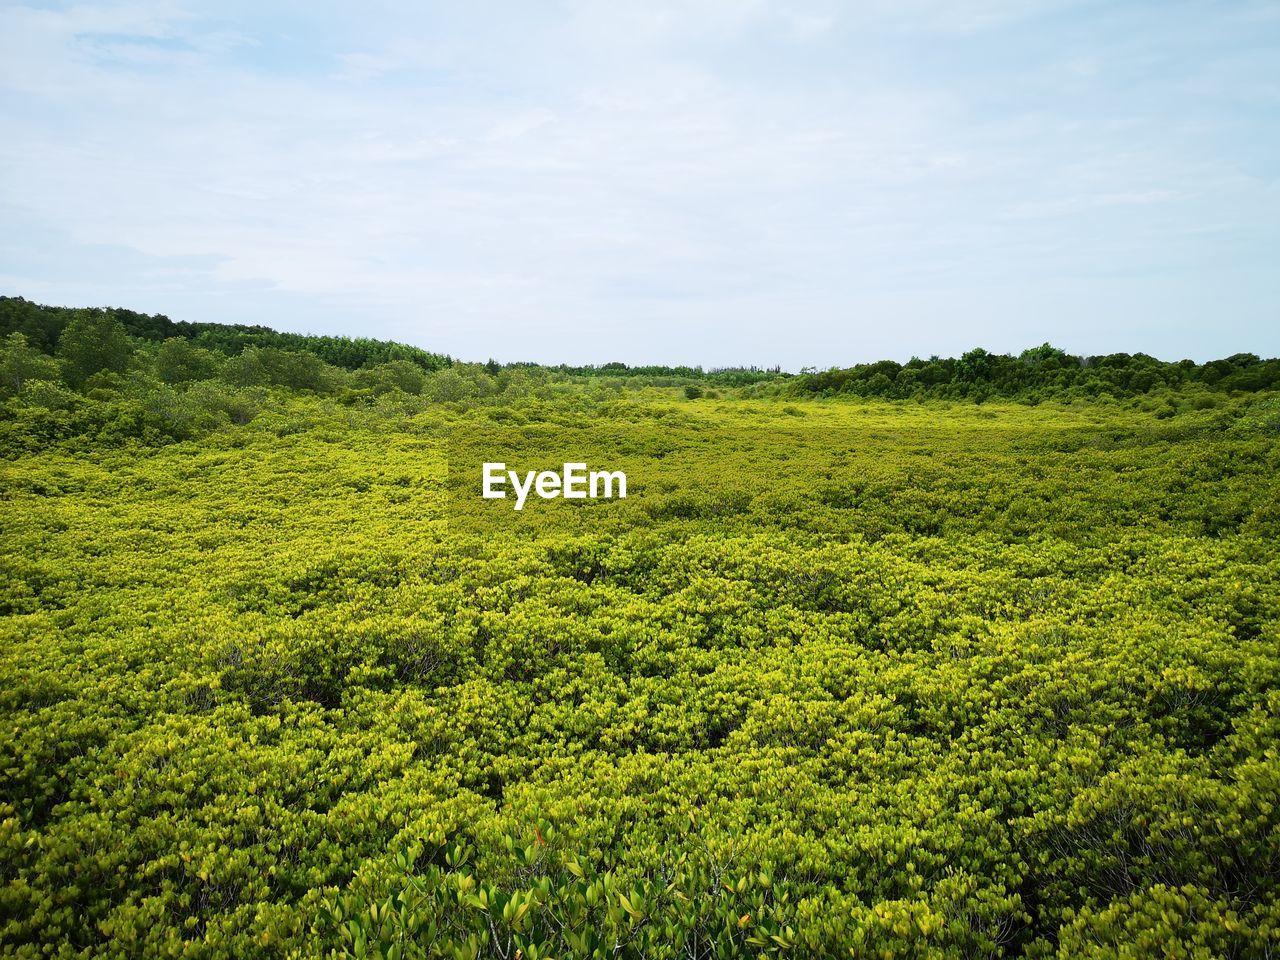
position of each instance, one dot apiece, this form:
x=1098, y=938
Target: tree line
x=1040, y=373
x=72, y=346
x=43, y=328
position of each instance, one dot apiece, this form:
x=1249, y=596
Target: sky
x=715, y=182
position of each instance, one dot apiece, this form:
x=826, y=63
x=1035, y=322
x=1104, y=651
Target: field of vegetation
x=989, y=669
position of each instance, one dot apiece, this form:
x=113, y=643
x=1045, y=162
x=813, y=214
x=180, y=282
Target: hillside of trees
x=43, y=327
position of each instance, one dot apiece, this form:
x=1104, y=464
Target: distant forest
x=89, y=342
x=43, y=327
x=1042, y=372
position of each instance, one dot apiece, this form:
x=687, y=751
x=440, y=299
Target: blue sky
x=719, y=182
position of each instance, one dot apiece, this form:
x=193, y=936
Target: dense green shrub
x=837, y=678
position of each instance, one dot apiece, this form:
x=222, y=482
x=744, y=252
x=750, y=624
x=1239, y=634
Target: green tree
x=20, y=364
x=246, y=369
x=180, y=361
x=1045, y=355
x=395, y=375
x=975, y=365
x=93, y=341
x=448, y=386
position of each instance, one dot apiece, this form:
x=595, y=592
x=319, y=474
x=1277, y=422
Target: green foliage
x=43, y=327
x=727, y=376
x=1041, y=373
x=178, y=361
x=361, y=370
x=92, y=342
x=839, y=677
x=20, y=365
x=546, y=902
x=267, y=366
x=1262, y=416
x=395, y=375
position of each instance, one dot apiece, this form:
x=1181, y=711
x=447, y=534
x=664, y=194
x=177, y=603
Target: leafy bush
x=837, y=678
